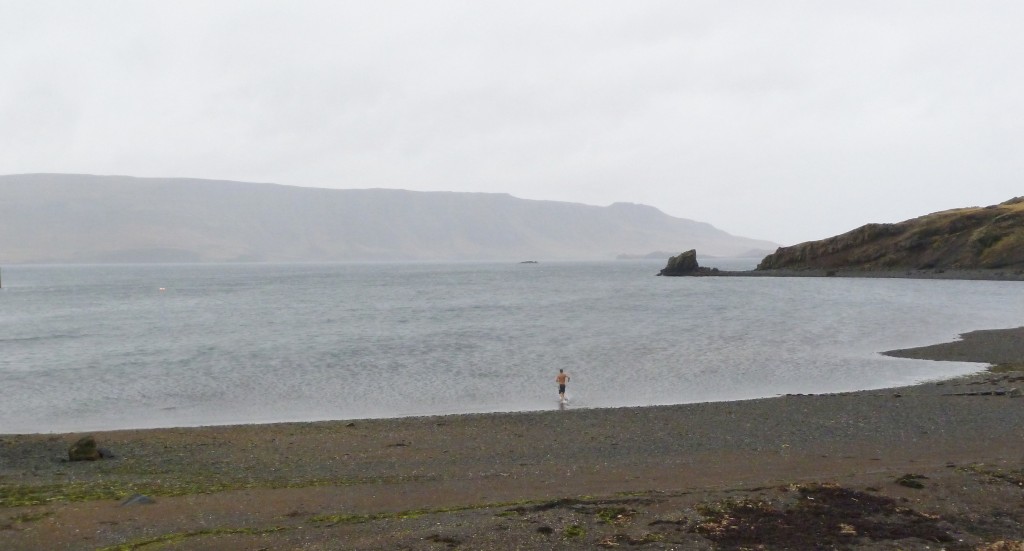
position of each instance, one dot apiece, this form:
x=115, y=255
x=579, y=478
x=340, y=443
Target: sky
x=786, y=120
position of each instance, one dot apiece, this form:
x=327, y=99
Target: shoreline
x=931, y=274
x=1000, y=348
x=575, y=479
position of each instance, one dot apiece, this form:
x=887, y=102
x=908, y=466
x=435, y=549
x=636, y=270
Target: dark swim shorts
x=561, y=389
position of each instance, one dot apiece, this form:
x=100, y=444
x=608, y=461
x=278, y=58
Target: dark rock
x=684, y=264
x=84, y=450
x=912, y=481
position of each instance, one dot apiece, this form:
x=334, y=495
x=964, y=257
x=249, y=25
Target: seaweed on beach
x=607, y=511
x=823, y=514
x=911, y=480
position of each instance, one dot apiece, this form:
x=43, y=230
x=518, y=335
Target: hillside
x=976, y=238
x=64, y=218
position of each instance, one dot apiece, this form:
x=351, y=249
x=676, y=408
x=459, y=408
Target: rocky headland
x=988, y=238
x=965, y=243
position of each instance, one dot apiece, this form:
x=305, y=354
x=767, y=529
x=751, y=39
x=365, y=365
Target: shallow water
x=104, y=347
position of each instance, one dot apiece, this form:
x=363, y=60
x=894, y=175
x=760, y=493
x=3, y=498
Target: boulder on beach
x=84, y=449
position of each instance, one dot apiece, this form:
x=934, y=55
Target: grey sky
x=786, y=121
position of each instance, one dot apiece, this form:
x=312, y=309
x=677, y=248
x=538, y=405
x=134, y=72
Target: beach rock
x=84, y=450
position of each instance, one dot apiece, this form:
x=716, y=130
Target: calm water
x=103, y=347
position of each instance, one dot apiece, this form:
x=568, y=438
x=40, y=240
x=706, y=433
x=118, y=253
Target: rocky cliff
x=973, y=238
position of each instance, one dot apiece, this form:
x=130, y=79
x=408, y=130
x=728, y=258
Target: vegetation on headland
x=976, y=238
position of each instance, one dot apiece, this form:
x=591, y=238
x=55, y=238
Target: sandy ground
x=934, y=466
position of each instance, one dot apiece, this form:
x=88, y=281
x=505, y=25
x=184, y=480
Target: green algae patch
x=573, y=531
x=27, y=495
x=347, y=518
x=17, y=520
x=12, y=495
x=1006, y=368
x=180, y=537
x=615, y=515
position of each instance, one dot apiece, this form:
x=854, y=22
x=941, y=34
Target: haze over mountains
x=68, y=218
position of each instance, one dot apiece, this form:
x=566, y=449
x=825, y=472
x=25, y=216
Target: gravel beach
x=933, y=466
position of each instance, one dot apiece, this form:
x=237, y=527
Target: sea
x=101, y=347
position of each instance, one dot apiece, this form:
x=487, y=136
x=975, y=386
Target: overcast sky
x=787, y=121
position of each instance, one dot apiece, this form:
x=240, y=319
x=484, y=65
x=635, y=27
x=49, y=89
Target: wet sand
x=795, y=472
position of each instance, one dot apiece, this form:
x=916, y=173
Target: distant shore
x=907, y=468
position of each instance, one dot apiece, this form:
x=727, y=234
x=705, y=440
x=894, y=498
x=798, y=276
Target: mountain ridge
x=73, y=218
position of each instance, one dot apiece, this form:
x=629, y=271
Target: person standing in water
x=562, y=378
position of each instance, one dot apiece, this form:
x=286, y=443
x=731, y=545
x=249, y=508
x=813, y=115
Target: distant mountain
x=66, y=218
x=960, y=239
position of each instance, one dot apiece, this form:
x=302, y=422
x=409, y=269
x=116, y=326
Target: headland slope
x=975, y=238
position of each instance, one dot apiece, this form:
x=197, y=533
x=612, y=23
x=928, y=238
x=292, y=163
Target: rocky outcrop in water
x=973, y=238
x=685, y=264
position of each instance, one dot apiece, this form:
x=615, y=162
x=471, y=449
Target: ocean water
x=106, y=347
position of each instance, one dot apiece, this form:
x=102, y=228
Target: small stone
x=138, y=499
